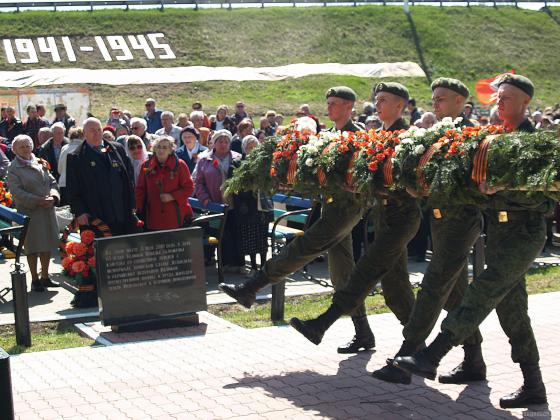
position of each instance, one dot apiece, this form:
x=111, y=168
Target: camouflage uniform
x=516, y=235
x=454, y=231
x=386, y=259
x=332, y=233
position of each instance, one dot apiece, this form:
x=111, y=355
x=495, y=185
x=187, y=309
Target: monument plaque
x=150, y=276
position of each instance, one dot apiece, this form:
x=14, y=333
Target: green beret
x=343, y=92
x=451, y=84
x=518, y=81
x=392, y=87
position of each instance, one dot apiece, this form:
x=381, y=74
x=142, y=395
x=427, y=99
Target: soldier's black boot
x=425, y=362
x=532, y=392
x=246, y=293
x=390, y=373
x=472, y=368
x=314, y=329
x=364, y=338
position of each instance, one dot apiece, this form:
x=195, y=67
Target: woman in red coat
x=163, y=188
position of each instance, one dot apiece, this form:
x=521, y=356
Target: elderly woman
x=253, y=212
x=76, y=136
x=35, y=194
x=163, y=188
x=197, y=119
x=222, y=120
x=211, y=171
x=136, y=151
x=191, y=148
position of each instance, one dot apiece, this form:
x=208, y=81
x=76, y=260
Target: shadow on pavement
x=352, y=392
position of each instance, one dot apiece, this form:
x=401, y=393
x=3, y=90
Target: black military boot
x=425, y=362
x=246, y=293
x=390, y=373
x=364, y=338
x=314, y=329
x=472, y=368
x=532, y=392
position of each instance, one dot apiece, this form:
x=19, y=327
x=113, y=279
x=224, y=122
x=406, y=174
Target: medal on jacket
x=92, y=163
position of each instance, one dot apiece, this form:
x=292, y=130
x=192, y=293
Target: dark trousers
x=511, y=248
x=446, y=278
x=386, y=261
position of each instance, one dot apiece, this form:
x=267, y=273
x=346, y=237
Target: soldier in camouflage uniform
x=516, y=235
x=385, y=260
x=331, y=232
x=455, y=229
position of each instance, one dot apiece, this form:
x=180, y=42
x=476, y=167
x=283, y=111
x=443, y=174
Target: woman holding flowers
x=163, y=188
x=35, y=193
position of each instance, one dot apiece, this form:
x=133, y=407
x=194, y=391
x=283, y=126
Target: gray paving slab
x=273, y=373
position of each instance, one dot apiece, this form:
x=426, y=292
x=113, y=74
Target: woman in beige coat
x=35, y=194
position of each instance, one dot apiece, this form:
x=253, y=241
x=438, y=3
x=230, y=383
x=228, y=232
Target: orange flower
x=79, y=249
x=70, y=247
x=87, y=237
x=79, y=266
x=67, y=262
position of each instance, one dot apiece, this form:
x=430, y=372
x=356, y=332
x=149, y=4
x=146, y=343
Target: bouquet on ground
x=78, y=259
x=5, y=196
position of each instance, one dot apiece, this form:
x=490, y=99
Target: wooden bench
x=212, y=217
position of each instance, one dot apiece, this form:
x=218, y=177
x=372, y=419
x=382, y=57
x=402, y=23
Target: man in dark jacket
x=62, y=116
x=50, y=150
x=100, y=181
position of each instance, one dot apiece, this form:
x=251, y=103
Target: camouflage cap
x=520, y=82
x=451, y=84
x=343, y=92
x=392, y=87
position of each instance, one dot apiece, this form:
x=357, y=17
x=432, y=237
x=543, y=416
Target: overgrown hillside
x=469, y=43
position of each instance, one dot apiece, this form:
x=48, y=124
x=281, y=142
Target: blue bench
x=278, y=232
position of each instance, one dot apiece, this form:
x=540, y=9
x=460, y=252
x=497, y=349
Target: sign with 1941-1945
x=54, y=49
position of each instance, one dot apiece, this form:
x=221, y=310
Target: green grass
x=44, y=336
x=468, y=43
x=62, y=335
x=541, y=280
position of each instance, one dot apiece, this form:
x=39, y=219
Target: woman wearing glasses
x=136, y=151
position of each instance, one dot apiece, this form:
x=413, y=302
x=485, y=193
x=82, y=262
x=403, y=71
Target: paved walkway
x=274, y=373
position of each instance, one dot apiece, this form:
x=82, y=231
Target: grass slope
x=466, y=43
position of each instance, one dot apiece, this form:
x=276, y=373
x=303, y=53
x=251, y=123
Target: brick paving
x=274, y=373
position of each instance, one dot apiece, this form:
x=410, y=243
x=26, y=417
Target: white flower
x=404, y=135
x=313, y=139
x=407, y=141
x=419, y=149
x=447, y=121
x=412, y=129
x=458, y=121
x=421, y=132
x=398, y=148
x=309, y=162
x=312, y=149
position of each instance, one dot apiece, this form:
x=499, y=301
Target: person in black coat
x=100, y=181
x=50, y=150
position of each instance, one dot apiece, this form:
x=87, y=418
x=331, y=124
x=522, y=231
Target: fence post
x=6, y=398
x=277, y=303
x=21, y=307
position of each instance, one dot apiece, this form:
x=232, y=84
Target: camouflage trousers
x=332, y=232
x=511, y=248
x=385, y=260
x=444, y=284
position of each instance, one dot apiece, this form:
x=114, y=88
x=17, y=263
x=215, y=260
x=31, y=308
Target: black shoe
x=37, y=286
x=425, y=362
x=532, y=392
x=472, y=369
x=245, y=293
x=463, y=374
x=364, y=338
x=390, y=373
x=314, y=329
x=49, y=283
x=524, y=397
